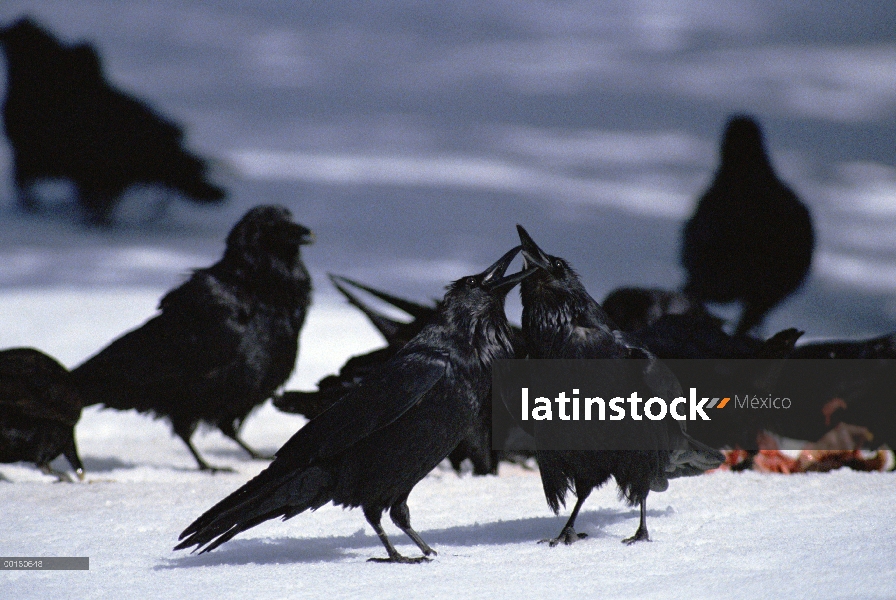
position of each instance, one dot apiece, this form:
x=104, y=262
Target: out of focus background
x=412, y=137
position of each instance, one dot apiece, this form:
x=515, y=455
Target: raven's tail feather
x=264, y=497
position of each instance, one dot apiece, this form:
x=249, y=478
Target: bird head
x=550, y=272
x=482, y=293
x=269, y=229
x=742, y=145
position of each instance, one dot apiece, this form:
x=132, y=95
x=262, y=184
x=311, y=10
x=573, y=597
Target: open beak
x=493, y=278
x=532, y=254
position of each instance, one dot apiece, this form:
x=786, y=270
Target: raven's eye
x=471, y=282
x=557, y=263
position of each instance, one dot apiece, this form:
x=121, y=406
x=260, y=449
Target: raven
x=561, y=320
x=372, y=447
x=225, y=340
x=64, y=120
x=39, y=407
x=356, y=368
x=750, y=238
x=477, y=444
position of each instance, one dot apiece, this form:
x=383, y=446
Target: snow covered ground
x=721, y=535
x=412, y=137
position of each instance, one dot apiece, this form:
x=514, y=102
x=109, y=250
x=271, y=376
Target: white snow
x=715, y=536
x=412, y=137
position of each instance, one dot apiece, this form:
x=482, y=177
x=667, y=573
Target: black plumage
x=633, y=309
x=561, y=320
x=39, y=408
x=225, y=340
x=64, y=120
x=750, y=238
x=476, y=446
x=395, y=333
x=372, y=447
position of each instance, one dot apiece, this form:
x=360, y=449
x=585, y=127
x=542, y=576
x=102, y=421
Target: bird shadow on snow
x=337, y=548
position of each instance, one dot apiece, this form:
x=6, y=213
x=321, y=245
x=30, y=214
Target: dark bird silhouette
x=39, y=408
x=750, y=238
x=633, y=309
x=476, y=446
x=372, y=447
x=224, y=341
x=561, y=320
x=395, y=333
x=64, y=120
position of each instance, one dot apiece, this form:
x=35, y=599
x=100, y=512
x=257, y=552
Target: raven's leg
x=568, y=534
x=230, y=431
x=184, y=433
x=401, y=516
x=641, y=534
x=373, y=517
x=60, y=476
x=71, y=454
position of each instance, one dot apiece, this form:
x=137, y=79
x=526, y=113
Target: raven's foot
x=640, y=536
x=405, y=560
x=568, y=536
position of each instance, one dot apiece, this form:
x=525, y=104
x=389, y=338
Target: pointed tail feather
x=387, y=327
x=265, y=497
x=416, y=310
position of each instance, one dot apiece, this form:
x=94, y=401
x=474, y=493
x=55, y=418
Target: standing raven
x=225, y=340
x=561, y=320
x=750, y=239
x=372, y=447
x=64, y=120
x=477, y=443
x=39, y=407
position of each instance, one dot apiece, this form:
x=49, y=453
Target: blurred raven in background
x=39, y=408
x=64, y=120
x=378, y=441
x=750, y=239
x=561, y=320
x=225, y=340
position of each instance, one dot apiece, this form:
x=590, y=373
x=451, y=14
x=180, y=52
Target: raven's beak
x=532, y=254
x=493, y=278
x=300, y=234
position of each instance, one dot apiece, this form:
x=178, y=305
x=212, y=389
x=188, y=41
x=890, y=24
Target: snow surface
x=412, y=137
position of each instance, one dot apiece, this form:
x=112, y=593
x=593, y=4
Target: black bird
x=396, y=334
x=39, y=407
x=224, y=341
x=561, y=320
x=633, y=309
x=750, y=238
x=477, y=444
x=372, y=447
x=64, y=120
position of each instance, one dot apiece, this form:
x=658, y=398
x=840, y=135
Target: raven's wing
x=377, y=402
x=197, y=336
x=36, y=385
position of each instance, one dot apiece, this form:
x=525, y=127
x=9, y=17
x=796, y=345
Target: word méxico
x=588, y=409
